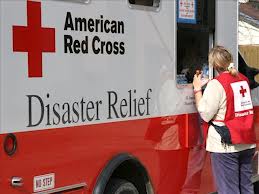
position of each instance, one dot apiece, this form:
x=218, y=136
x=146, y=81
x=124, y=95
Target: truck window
x=195, y=32
x=149, y=3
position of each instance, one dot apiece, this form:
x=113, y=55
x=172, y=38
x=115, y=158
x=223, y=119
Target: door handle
x=17, y=182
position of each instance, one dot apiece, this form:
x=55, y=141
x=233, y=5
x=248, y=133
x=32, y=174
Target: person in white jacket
x=231, y=163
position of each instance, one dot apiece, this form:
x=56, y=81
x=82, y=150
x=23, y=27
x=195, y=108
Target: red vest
x=239, y=112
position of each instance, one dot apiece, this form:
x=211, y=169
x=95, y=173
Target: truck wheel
x=120, y=186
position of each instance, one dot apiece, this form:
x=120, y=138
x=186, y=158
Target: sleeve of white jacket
x=209, y=104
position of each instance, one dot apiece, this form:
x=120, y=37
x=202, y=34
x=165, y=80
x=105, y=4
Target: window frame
x=146, y=7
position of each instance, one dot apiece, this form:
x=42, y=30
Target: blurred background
x=249, y=32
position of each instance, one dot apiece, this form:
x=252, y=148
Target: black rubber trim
x=13, y=137
x=106, y=173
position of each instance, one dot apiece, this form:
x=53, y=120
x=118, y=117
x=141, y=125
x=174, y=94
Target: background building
x=249, y=32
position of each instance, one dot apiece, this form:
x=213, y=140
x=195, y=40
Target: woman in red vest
x=227, y=108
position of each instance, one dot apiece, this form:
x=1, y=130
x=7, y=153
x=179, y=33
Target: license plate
x=43, y=182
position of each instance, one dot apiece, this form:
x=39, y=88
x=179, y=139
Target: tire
x=120, y=186
x=256, y=187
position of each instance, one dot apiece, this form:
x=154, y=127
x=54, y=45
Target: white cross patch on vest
x=242, y=97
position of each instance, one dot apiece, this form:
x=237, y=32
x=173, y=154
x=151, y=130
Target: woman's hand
x=197, y=84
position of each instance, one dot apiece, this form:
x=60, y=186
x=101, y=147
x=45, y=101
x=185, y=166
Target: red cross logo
x=33, y=39
x=242, y=91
